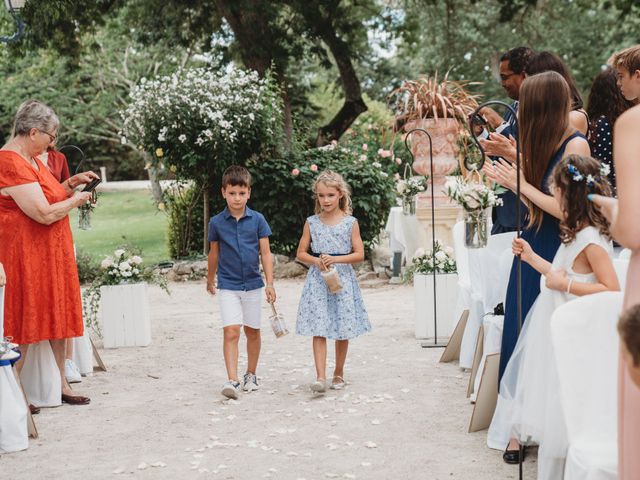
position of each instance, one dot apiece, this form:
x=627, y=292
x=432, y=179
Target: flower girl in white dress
x=529, y=408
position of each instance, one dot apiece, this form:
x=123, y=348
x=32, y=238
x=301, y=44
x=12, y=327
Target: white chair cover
x=13, y=410
x=40, y=376
x=621, y=265
x=488, y=279
x=585, y=343
x=625, y=254
x=464, y=302
x=83, y=353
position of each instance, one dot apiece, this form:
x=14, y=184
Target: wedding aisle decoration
x=424, y=263
x=475, y=197
x=408, y=189
x=120, y=293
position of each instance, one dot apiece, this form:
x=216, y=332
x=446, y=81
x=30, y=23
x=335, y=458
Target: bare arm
x=546, y=202
x=302, y=254
x=31, y=200
x=578, y=120
x=212, y=267
x=600, y=262
x=78, y=179
x=267, y=267
x=3, y=276
x=625, y=226
x=521, y=247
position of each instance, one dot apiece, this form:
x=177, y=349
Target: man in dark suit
x=512, y=65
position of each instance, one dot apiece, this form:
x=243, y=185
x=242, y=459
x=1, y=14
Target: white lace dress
x=529, y=404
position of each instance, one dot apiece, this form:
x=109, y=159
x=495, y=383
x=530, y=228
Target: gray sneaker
x=250, y=382
x=231, y=389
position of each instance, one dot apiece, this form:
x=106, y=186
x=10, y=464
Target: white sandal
x=339, y=385
x=319, y=386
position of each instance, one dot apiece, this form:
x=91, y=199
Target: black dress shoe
x=512, y=456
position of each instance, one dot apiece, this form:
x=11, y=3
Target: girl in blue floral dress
x=333, y=236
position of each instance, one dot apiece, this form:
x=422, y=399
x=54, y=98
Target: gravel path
x=157, y=412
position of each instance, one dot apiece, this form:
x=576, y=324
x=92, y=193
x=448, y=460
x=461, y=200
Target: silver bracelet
x=569, y=285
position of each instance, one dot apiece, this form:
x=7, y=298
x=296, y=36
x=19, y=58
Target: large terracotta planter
x=444, y=135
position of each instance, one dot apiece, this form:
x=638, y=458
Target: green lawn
x=131, y=215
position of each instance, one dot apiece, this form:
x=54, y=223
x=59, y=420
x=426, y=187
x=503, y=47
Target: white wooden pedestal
x=446, y=292
x=125, y=315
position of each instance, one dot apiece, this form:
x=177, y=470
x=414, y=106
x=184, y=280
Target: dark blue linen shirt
x=239, y=248
x=505, y=218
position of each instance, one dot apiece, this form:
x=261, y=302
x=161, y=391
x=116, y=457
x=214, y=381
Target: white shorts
x=238, y=307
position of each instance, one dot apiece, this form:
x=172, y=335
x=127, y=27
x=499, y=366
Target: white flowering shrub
x=197, y=122
x=439, y=259
x=472, y=195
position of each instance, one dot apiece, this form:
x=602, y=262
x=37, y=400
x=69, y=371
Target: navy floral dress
x=339, y=316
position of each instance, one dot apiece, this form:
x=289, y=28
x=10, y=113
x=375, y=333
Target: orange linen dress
x=42, y=295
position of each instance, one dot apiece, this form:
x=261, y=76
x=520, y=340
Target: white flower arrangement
x=471, y=195
x=124, y=266
x=440, y=259
x=408, y=188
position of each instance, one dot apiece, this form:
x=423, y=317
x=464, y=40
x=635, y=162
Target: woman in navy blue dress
x=546, y=137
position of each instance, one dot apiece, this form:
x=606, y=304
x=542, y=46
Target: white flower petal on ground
x=370, y=445
x=366, y=464
x=118, y=471
x=375, y=422
x=349, y=475
x=142, y=466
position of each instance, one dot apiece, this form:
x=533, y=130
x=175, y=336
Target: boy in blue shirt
x=238, y=236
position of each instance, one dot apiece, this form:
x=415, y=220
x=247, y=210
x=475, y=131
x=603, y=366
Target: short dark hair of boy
x=629, y=330
x=518, y=58
x=629, y=59
x=235, y=176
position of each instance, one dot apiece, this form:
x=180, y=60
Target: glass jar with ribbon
x=408, y=188
x=476, y=198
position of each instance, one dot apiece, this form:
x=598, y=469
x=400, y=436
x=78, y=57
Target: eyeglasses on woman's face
x=52, y=138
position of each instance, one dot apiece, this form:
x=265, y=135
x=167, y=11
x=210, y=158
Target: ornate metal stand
x=475, y=116
x=435, y=343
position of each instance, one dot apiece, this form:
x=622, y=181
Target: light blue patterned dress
x=338, y=316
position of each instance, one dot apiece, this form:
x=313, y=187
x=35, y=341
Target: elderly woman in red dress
x=42, y=300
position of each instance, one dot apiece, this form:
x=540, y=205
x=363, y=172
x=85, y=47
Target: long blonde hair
x=333, y=180
x=543, y=114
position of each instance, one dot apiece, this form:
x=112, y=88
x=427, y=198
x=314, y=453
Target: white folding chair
x=488, y=284
x=621, y=266
x=13, y=410
x=464, y=290
x=585, y=342
x=625, y=254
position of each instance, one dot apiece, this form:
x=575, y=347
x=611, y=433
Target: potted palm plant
x=441, y=107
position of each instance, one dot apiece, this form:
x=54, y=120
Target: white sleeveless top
x=568, y=252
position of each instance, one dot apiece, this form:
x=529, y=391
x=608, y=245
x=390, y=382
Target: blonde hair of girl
x=333, y=180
